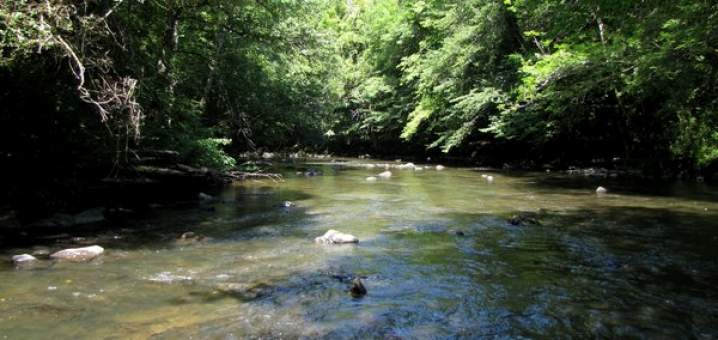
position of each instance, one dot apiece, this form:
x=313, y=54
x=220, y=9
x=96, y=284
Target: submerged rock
x=385, y=174
x=358, y=290
x=371, y=179
x=524, y=218
x=245, y=291
x=336, y=237
x=23, y=259
x=430, y=228
x=78, y=254
x=440, y=167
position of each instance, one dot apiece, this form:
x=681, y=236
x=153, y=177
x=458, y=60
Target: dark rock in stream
x=524, y=218
x=430, y=228
x=358, y=290
x=245, y=291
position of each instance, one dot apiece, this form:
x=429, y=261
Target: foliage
x=536, y=80
x=208, y=152
x=581, y=80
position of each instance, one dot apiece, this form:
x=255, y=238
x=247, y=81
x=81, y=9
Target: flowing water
x=640, y=261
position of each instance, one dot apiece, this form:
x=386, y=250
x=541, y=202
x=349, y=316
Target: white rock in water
x=490, y=178
x=23, y=259
x=371, y=179
x=440, y=167
x=385, y=174
x=335, y=237
x=78, y=254
x=601, y=190
x=418, y=168
x=407, y=166
x=484, y=176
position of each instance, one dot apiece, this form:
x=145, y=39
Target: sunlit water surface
x=639, y=262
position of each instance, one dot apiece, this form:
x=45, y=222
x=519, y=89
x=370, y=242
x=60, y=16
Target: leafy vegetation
x=529, y=81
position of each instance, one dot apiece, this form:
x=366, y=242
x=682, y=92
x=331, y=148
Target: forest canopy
x=88, y=83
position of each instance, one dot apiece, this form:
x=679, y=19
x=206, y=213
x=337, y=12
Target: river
x=436, y=254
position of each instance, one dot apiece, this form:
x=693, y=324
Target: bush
x=209, y=152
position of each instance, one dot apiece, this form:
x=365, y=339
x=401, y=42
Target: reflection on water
x=436, y=255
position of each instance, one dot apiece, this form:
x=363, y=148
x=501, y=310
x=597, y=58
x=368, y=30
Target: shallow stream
x=641, y=261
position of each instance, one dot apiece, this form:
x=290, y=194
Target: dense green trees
x=571, y=80
x=538, y=81
x=180, y=74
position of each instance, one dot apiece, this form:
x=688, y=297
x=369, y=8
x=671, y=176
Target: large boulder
x=336, y=237
x=78, y=254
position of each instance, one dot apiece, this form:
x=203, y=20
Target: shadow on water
x=688, y=190
x=610, y=271
x=236, y=209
